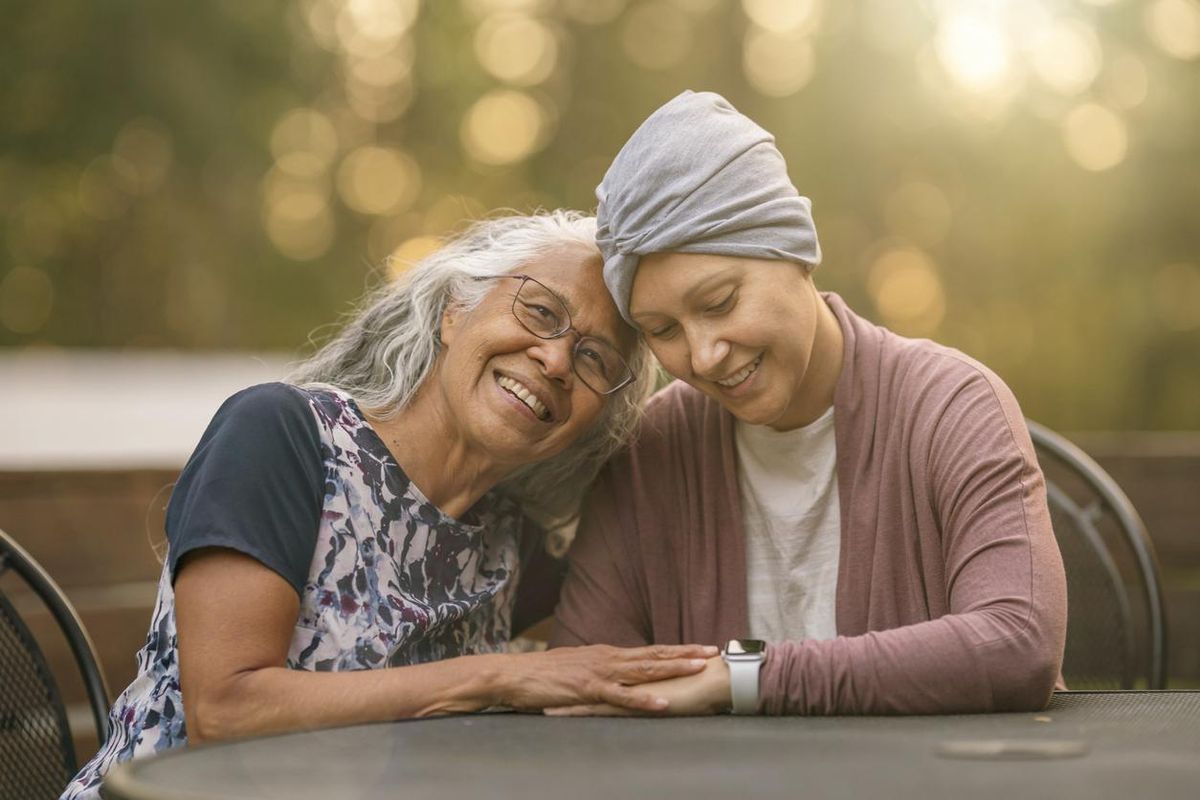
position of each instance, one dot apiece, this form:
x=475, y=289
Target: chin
x=755, y=412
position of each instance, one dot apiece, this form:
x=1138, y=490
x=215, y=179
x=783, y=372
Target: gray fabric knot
x=699, y=177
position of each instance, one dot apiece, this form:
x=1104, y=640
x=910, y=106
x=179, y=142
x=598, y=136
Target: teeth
x=522, y=393
x=742, y=375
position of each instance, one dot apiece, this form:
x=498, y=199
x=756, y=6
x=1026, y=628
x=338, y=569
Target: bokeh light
x=142, y=155
x=1096, y=137
x=516, y=49
x=297, y=216
x=783, y=16
x=304, y=142
x=503, y=127
x=374, y=27
x=973, y=50
x=904, y=285
x=1066, y=56
x=777, y=65
x=378, y=180
x=405, y=256
x=892, y=27
x=1125, y=81
x=1174, y=25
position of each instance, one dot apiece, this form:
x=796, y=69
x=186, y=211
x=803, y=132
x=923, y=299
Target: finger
x=593, y=710
x=637, y=700
x=672, y=651
x=647, y=671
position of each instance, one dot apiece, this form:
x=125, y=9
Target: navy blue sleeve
x=254, y=484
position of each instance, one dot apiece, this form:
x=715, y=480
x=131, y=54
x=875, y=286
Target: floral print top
x=298, y=479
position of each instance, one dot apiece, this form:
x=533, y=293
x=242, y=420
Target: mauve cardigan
x=951, y=595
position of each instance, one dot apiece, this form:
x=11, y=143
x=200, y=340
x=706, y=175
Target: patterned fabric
x=393, y=581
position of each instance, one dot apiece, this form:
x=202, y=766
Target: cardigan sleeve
x=600, y=602
x=1000, y=647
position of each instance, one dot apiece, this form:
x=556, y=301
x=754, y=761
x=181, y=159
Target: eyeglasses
x=544, y=314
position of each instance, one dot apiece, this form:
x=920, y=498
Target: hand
x=597, y=675
x=696, y=695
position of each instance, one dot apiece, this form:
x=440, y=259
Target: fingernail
x=711, y=649
x=697, y=662
x=660, y=702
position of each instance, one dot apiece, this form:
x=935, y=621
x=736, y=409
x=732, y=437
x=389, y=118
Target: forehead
x=665, y=280
x=575, y=272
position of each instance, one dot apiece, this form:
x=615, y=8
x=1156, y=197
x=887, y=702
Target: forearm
x=969, y=663
x=275, y=699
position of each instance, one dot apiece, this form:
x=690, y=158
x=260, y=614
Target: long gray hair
x=389, y=347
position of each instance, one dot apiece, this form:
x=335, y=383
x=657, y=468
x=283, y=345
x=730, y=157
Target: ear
x=451, y=319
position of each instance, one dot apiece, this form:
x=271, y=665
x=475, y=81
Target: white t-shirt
x=788, y=482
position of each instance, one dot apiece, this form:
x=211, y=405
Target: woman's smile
x=741, y=381
x=521, y=395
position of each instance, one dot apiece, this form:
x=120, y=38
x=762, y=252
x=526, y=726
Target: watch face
x=745, y=647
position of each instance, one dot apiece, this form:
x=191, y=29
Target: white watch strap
x=743, y=685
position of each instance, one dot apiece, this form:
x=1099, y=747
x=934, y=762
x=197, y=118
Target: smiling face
x=740, y=330
x=512, y=395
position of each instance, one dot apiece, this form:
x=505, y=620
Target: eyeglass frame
x=570, y=328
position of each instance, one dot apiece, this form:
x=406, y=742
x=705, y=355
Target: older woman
x=859, y=515
x=377, y=510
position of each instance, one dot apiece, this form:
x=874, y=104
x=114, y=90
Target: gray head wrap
x=698, y=177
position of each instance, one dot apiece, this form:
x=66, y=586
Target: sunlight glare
x=973, y=50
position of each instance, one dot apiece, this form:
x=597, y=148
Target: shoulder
x=266, y=401
x=265, y=415
x=923, y=377
x=956, y=406
x=930, y=391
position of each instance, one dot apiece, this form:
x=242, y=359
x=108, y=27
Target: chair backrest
x=37, y=755
x=1116, y=627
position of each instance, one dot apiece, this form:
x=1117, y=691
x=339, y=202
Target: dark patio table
x=1087, y=745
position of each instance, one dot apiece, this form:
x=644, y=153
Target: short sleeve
x=254, y=484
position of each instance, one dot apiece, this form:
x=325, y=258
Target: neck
x=430, y=448
x=815, y=394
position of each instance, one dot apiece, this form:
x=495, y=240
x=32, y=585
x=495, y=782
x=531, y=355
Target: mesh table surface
x=1085, y=745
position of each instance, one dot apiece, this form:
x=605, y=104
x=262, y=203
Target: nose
x=554, y=356
x=708, y=351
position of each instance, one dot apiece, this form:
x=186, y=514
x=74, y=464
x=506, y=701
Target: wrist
x=722, y=693
x=492, y=682
x=475, y=683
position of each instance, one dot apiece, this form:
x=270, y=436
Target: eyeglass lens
x=542, y=313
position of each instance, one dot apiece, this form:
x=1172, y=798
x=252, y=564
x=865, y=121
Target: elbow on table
x=1026, y=683
x=215, y=715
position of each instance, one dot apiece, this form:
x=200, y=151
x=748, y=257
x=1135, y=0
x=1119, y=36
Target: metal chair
x=1116, y=627
x=37, y=755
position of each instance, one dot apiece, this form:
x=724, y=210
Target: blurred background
x=189, y=193
x=1018, y=179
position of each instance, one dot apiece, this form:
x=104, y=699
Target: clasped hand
x=604, y=680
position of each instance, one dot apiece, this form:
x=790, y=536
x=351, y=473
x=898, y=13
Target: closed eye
x=662, y=331
x=724, y=305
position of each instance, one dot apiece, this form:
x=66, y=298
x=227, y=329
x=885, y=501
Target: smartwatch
x=745, y=657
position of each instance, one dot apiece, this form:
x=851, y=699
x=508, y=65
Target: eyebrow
x=700, y=288
x=574, y=314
